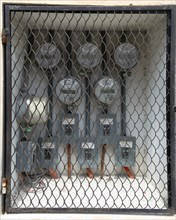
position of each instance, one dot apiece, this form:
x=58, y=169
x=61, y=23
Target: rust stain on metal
x=4, y=36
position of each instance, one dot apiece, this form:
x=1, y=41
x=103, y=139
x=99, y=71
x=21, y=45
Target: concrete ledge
x=82, y=217
x=93, y=2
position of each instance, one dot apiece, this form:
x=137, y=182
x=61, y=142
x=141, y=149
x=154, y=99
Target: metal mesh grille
x=89, y=109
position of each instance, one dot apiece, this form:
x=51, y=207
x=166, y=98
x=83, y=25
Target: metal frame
x=171, y=151
x=172, y=112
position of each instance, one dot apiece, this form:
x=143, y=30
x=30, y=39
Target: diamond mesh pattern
x=89, y=107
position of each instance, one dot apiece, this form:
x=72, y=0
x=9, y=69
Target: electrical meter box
x=88, y=56
x=107, y=129
x=126, y=56
x=106, y=90
x=125, y=151
x=69, y=90
x=48, y=56
x=68, y=130
x=26, y=153
x=88, y=154
x=48, y=153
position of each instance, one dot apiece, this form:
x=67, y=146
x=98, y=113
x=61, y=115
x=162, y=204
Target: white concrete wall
x=156, y=108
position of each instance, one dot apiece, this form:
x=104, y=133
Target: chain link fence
x=90, y=109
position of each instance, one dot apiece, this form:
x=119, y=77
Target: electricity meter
x=48, y=56
x=106, y=90
x=126, y=55
x=88, y=56
x=69, y=90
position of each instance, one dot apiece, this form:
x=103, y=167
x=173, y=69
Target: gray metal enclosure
x=89, y=109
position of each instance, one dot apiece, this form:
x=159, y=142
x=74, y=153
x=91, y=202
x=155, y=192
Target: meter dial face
x=69, y=90
x=48, y=56
x=106, y=90
x=126, y=56
x=88, y=56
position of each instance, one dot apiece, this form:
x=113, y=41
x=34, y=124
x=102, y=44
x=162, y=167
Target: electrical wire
x=32, y=183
